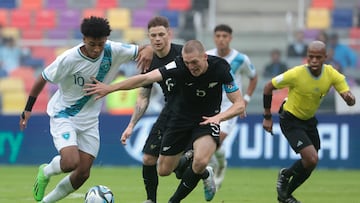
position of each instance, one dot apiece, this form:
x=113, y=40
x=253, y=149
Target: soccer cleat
x=40, y=184
x=290, y=199
x=282, y=185
x=209, y=185
x=148, y=201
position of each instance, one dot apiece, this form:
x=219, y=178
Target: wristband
x=267, y=116
x=30, y=103
x=247, y=98
x=267, y=101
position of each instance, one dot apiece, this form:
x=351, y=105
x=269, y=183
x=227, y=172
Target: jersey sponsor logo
x=170, y=65
x=212, y=84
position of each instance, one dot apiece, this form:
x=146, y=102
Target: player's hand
x=349, y=98
x=126, y=134
x=24, y=117
x=144, y=58
x=208, y=120
x=243, y=114
x=97, y=87
x=267, y=125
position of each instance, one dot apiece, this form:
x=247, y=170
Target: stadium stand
x=4, y=17
x=342, y=18
x=179, y=5
x=56, y=4
x=114, y=14
x=106, y=4
x=8, y=4
x=36, y=5
x=140, y=17
x=69, y=19
x=13, y=95
x=45, y=19
x=87, y=12
x=328, y=4
x=54, y=24
x=318, y=18
x=134, y=35
x=21, y=18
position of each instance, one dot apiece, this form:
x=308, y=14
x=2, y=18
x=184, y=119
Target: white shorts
x=66, y=133
x=228, y=125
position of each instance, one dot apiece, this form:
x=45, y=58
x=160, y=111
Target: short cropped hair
x=192, y=46
x=223, y=27
x=158, y=21
x=95, y=27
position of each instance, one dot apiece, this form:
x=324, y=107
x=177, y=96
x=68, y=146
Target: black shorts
x=153, y=142
x=179, y=138
x=299, y=133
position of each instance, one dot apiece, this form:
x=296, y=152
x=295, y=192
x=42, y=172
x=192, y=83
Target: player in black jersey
x=159, y=34
x=195, y=111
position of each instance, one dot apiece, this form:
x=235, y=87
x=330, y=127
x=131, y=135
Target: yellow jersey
x=307, y=91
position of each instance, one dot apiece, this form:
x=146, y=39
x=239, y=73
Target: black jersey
x=168, y=85
x=198, y=96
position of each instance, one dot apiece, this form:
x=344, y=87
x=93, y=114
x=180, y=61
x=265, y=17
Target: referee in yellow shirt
x=307, y=84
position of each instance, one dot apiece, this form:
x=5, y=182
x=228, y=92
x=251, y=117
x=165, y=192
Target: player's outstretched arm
x=35, y=91
x=102, y=89
x=142, y=103
x=267, y=100
x=237, y=108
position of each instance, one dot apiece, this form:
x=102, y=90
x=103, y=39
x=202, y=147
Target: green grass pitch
x=241, y=185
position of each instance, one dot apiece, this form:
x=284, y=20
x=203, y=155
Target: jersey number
x=79, y=80
x=200, y=93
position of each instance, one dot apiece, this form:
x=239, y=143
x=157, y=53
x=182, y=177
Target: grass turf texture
x=240, y=185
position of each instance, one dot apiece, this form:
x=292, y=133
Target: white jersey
x=72, y=70
x=240, y=65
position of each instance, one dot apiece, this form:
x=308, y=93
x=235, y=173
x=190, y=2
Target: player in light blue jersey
x=74, y=123
x=241, y=66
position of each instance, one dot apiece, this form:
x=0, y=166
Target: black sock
x=187, y=184
x=293, y=169
x=151, y=181
x=300, y=175
x=184, y=162
x=205, y=174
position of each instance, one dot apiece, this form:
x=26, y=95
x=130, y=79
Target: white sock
x=53, y=168
x=62, y=189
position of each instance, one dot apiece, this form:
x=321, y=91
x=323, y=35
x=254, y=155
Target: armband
x=30, y=103
x=247, y=98
x=267, y=101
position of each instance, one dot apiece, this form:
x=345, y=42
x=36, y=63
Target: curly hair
x=95, y=27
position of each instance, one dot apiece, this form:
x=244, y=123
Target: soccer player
x=74, y=115
x=159, y=34
x=195, y=112
x=297, y=114
x=240, y=66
